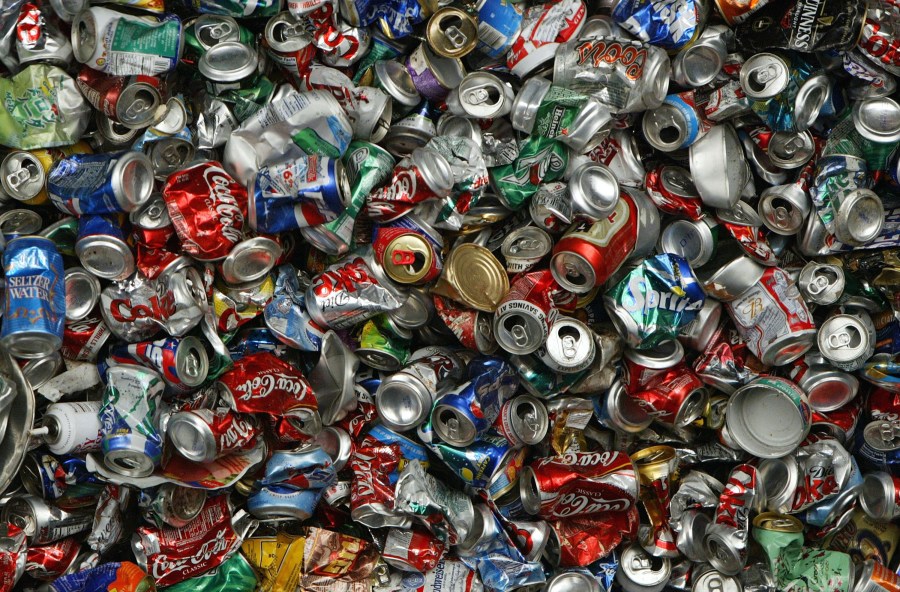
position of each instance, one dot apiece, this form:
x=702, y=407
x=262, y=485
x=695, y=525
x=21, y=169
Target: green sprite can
x=235, y=575
x=380, y=347
x=208, y=30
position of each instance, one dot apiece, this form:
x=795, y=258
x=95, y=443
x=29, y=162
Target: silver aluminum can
x=481, y=95
x=826, y=388
x=82, y=293
x=625, y=76
x=698, y=333
x=569, y=347
x=594, y=189
x=880, y=496
x=812, y=95
x=790, y=150
x=847, y=340
x=212, y=29
x=337, y=443
x=641, y=572
x=779, y=479
x=22, y=176
x=38, y=371
x=695, y=240
x=718, y=167
x=689, y=538
x=169, y=154
x=764, y=75
x=784, y=208
x=877, y=119
x=621, y=413
x=768, y=417
x=42, y=522
x=821, y=283
x=177, y=505
x=484, y=528
x=700, y=62
x=858, y=216
x=572, y=581
x=715, y=581
x=524, y=247
x=250, y=260
x=228, y=64
x=524, y=420
x=550, y=208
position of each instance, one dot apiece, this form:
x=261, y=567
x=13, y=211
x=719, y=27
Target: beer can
x=101, y=248
x=452, y=32
x=34, y=300
x=847, y=340
x=821, y=283
x=524, y=247
x=592, y=250
x=768, y=417
x=44, y=523
x=880, y=496
x=641, y=572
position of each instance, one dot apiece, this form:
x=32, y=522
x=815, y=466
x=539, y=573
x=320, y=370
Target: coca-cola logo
x=575, y=504
x=85, y=325
x=124, y=310
x=238, y=432
x=223, y=201
x=885, y=49
x=595, y=52
x=164, y=567
x=262, y=385
x=402, y=188
x=589, y=459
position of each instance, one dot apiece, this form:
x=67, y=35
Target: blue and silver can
x=102, y=249
x=499, y=23
x=279, y=501
x=309, y=467
x=34, y=303
x=101, y=183
x=410, y=450
x=466, y=412
x=131, y=442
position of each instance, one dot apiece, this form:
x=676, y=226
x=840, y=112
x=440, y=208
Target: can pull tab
x=175, y=154
x=482, y=95
x=519, y=335
x=400, y=257
x=818, y=285
x=138, y=105
x=569, y=344
x=452, y=426
x=889, y=430
x=845, y=339
x=455, y=37
x=220, y=30
x=524, y=245
x=18, y=178
x=765, y=74
x=792, y=145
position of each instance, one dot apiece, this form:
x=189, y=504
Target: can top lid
x=665, y=127
x=138, y=105
x=448, y=72
x=689, y=239
x=106, y=257
x=877, y=119
x=22, y=175
x=84, y=35
x=742, y=213
x=402, y=402
x=228, y=61
x=82, y=292
x=662, y=356
x=527, y=101
x=768, y=417
x=594, y=189
x=185, y=502
x=698, y=64
x=284, y=33
x=192, y=361
x=452, y=426
x=527, y=242
x=845, y=337
x=714, y=581
x=337, y=443
x=764, y=75
x=212, y=29
x=484, y=96
x=152, y=215
x=638, y=566
x=777, y=522
x=790, y=150
x=778, y=480
x=829, y=389
x=451, y=32
x=129, y=463
x=811, y=97
x=38, y=371
x=408, y=258
x=191, y=436
x=394, y=78
x=20, y=222
x=250, y=260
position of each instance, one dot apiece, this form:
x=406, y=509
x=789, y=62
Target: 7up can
x=540, y=160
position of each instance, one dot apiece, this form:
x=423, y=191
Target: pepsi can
x=34, y=303
x=278, y=501
x=102, y=249
x=101, y=183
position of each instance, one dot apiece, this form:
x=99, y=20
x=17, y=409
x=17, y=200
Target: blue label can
x=34, y=303
x=102, y=249
x=101, y=183
x=499, y=22
x=279, y=501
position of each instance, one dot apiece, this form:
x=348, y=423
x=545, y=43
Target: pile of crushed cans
x=457, y=296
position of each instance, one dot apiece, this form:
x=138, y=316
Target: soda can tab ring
x=480, y=296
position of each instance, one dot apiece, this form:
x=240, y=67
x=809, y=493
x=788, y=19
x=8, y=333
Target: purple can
x=433, y=75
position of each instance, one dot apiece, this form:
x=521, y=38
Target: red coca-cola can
x=208, y=208
x=643, y=365
x=472, y=327
x=592, y=250
x=48, y=562
x=129, y=100
x=580, y=541
x=203, y=435
x=83, y=339
x=579, y=483
x=264, y=383
x=884, y=404
x=412, y=549
x=676, y=397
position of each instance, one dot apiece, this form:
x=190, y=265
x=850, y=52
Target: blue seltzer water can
x=131, y=442
x=34, y=303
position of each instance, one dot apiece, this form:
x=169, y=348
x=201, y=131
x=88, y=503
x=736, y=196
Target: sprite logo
x=644, y=297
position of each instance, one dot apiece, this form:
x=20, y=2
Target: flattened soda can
x=131, y=443
x=34, y=303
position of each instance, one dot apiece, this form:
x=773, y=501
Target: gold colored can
x=654, y=463
x=474, y=277
x=452, y=32
x=410, y=259
x=777, y=522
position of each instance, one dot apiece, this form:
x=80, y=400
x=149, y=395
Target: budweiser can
x=523, y=420
x=847, y=340
x=593, y=250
